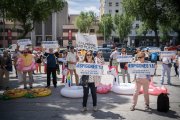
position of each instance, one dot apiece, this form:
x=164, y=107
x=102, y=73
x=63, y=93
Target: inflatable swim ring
x=103, y=89
x=29, y=68
x=39, y=92
x=72, y=92
x=124, y=88
x=154, y=90
x=15, y=93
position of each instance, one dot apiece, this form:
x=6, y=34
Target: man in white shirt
x=166, y=68
x=72, y=59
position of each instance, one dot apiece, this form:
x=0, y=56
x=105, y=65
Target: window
x=137, y=26
x=110, y=11
x=110, y=3
x=117, y=4
x=117, y=11
x=92, y=30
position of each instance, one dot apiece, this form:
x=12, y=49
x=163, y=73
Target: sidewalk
x=111, y=105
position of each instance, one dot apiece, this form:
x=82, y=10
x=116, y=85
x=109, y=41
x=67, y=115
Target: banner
x=141, y=68
x=24, y=42
x=87, y=42
x=127, y=58
x=167, y=53
x=89, y=69
x=50, y=44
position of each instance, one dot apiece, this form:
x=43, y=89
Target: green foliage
x=123, y=25
x=142, y=30
x=85, y=20
x=27, y=12
x=106, y=25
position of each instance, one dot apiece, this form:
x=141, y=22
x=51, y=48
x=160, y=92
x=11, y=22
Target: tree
x=123, y=25
x=85, y=20
x=142, y=30
x=27, y=12
x=151, y=13
x=106, y=26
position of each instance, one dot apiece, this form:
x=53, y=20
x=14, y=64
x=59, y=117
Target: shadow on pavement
x=106, y=115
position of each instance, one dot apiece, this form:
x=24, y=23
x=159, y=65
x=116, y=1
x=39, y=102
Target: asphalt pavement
x=110, y=105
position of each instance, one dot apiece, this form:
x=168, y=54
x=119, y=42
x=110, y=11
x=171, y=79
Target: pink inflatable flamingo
x=154, y=90
x=103, y=89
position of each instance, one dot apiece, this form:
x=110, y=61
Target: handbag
x=169, y=65
x=84, y=80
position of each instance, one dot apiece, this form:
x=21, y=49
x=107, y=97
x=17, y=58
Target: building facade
x=115, y=7
x=70, y=30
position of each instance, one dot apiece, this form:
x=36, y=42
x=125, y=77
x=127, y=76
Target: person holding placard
x=90, y=85
x=141, y=80
x=51, y=68
x=124, y=67
x=166, y=67
x=72, y=59
x=113, y=56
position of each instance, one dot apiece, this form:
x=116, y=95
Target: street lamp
x=104, y=33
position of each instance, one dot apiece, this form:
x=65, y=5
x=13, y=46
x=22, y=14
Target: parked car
x=106, y=53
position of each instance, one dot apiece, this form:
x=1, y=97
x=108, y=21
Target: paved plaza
x=110, y=106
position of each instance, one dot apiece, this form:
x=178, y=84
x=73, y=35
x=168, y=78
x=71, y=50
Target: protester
x=91, y=85
x=51, y=68
x=5, y=68
x=15, y=58
x=146, y=55
x=39, y=58
x=72, y=59
x=175, y=61
x=99, y=58
x=28, y=60
x=141, y=80
x=124, y=67
x=153, y=59
x=136, y=54
x=113, y=56
x=64, y=65
x=166, y=62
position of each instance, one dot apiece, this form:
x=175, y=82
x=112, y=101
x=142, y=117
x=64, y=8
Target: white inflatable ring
x=124, y=88
x=72, y=92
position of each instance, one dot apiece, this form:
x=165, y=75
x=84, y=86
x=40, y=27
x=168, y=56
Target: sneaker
x=95, y=108
x=84, y=109
x=147, y=107
x=132, y=108
x=55, y=86
x=47, y=87
x=169, y=83
x=30, y=87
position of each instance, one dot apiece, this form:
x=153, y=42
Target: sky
x=76, y=6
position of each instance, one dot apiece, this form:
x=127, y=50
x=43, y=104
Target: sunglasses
x=89, y=55
x=140, y=57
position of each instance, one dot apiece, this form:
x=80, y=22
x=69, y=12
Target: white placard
x=127, y=58
x=87, y=42
x=24, y=42
x=167, y=53
x=89, y=69
x=50, y=44
x=141, y=68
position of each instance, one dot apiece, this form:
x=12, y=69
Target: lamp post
x=104, y=33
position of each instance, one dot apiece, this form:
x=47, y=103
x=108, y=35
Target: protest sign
x=89, y=69
x=50, y=44
x=24, y=42
x=141, y=68
x=167, y=53
x=87, y=42
x=127, y=58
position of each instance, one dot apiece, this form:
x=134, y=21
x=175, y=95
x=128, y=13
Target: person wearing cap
x=166, y=68
x=5, y=68
x=28, y=60
x=72, y=59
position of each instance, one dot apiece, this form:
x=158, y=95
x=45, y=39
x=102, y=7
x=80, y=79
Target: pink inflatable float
x=21, y=67
x=154, y=90
x=103, y=89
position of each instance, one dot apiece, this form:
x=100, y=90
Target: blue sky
x=76, y=6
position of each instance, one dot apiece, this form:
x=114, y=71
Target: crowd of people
x=33, y=60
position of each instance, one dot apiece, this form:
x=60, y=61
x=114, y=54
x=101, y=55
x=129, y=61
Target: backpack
x=163, y=103
x=154, y=57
